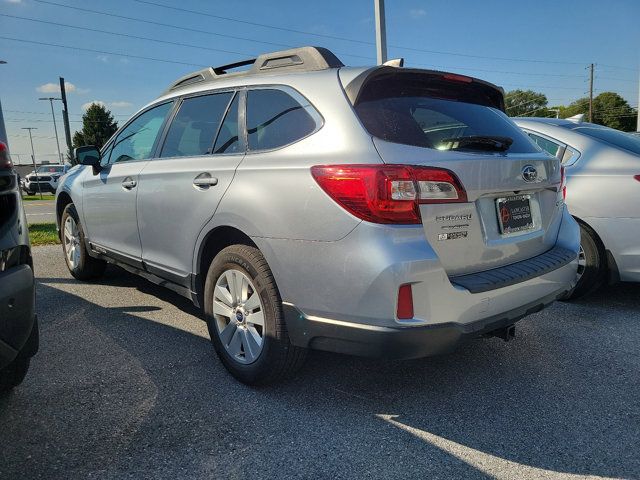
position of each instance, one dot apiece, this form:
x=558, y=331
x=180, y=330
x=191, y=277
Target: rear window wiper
x=480, y=142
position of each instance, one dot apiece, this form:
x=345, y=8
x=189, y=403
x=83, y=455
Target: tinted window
x=194, y=127
x=227, y=141
x=274, y=119
x=51, y=169
x=545, y=144
x=136, y=141
x=425, y=112
x=610, y=135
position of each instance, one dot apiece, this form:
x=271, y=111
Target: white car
x=603, y=193
x=47, y=176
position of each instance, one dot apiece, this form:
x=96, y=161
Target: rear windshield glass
x=413, y=112
x=609, y=135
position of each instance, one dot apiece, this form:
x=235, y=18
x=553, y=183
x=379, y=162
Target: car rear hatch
x=510, y=205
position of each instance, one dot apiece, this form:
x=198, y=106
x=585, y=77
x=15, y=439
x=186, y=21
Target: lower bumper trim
x=397, y=342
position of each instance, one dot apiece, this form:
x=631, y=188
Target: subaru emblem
x=529, y=173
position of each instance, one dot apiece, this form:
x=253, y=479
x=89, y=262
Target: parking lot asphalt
x=126, y=385
x=40, y=211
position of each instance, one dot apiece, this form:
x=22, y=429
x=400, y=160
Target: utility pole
x=381, y=32
x=33, y=159
x=65, y=119
x=3, y=130
x=638, y=107
x=55, y=128
x=591, y=94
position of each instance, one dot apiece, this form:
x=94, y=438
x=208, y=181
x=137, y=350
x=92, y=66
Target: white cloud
x=55, y=88
x=417, y=12
x=14, y=1
x=103, y=58
x=120, y=104
x=85, y=106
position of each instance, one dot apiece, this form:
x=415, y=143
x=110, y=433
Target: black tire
x=278, y=359
x=595, y=268
x=12, y=375
x=88, y=268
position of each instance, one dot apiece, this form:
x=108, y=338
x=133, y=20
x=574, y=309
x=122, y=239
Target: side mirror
x=88, y=155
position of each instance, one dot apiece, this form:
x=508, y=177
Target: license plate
x=514, y=214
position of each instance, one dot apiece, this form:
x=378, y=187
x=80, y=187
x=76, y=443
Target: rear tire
x=247, y=328
x=13, y=374
x=80, y=264
x=592, y=267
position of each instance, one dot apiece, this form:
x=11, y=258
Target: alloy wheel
x=71, y=238
x=239, y=316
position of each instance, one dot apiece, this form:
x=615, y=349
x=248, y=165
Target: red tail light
x=405, y=302
x=457, y=78
x=5, y=161
x=563, y=183
x=637, y=177
x=388, y=193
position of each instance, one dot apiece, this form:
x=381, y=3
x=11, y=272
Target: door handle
x=129, y=183
x=205, y=180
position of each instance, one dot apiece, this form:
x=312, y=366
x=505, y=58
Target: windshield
x=421, y=116
x=51, y=169
x=614, y=137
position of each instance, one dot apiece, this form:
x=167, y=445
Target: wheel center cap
x=239, y=316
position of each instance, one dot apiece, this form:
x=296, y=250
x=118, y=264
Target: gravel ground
x=126, y=385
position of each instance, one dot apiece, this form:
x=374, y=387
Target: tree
x=97, y=127
x=527, y=103
x=609, y=109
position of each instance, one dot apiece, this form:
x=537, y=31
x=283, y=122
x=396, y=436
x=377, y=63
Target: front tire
x=80, y=264
x=243, y=309
x=13, y=374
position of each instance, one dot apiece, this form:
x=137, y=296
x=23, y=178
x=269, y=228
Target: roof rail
x=303, y=59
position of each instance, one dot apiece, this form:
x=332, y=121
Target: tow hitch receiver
x=505, y=333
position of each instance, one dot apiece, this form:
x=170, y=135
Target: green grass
x=45, y=196
x=43, y=234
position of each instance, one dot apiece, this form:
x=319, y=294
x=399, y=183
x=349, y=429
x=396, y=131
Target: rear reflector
x=405, y=302
x=388, y=193
x=563, y=183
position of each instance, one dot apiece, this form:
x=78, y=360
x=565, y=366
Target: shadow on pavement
x=133, y=390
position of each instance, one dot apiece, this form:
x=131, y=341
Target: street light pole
x=55, y=128
x=381, y=32
x=33, y=159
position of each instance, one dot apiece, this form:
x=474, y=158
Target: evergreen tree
x=97, y=127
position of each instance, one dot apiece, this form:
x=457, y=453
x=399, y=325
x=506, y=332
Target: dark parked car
x=18, y=322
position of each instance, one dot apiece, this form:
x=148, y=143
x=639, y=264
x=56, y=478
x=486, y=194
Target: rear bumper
x=18, y=323
x=397, y=342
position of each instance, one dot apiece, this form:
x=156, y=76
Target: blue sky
x=554, y=42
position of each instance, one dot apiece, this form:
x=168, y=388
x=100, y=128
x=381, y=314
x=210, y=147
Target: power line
x=188, y=29
x=93, y=30
x=101, y=51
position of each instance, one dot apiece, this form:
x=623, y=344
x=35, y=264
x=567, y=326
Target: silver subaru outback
x=303, y=204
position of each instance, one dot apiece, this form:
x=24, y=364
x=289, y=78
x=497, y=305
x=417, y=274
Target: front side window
x=275, y=119
x=136, y=140
x=194, y=127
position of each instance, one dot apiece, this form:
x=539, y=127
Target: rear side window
x=545, y=144
x=228, y=140
x=194, y=127
x=275, y=119
x=424, y=111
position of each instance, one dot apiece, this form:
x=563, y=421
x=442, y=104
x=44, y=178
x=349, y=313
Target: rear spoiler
x=482, y=92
